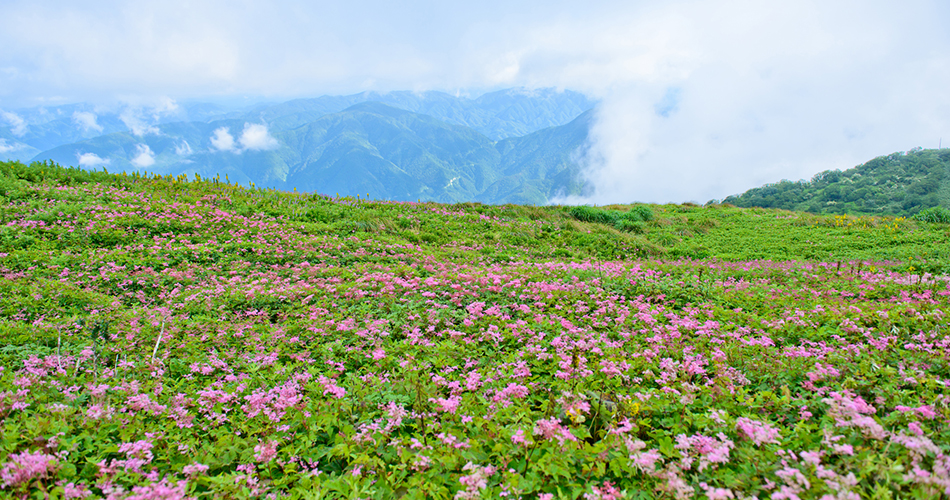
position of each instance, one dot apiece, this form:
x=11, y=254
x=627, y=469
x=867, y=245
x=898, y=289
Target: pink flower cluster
x=475, y=482
x=26, y=466
x=759, y=432
x=552, y=429
x=708, y=450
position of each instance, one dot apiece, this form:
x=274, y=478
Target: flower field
x=166, y=339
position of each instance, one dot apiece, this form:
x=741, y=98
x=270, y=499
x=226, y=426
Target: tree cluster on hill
x=896, y=184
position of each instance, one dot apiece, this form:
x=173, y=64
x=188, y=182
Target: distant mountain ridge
x=439, y=150
x=900, y=184
x=497, y=115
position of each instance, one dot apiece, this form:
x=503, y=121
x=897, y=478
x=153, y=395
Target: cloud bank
x=17, y=125
x=141, y=114
x=144, y=157
x=222, y=140
x=254, y=137
x=87, y=121
x=183, y=148
x=700, y=98
x=9, y=148
x=91, y=160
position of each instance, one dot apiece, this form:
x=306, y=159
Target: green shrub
x=644, y=212
x=933, y=214
x=630, y=226
x=586, y=213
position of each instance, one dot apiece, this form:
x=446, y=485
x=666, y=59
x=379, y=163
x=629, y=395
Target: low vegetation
x=900, y=184
x=167, y=338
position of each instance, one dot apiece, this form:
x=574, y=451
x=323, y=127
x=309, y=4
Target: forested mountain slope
x=896, y=184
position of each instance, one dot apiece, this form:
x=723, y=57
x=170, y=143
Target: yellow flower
x=575, y=416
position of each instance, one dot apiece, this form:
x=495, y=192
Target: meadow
x=167, y=338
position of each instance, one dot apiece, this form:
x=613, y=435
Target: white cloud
x=87, y=121
x=183, y=149
x=162, y=106
x=222, y=140
x=17, y=125
x=132, y=118
x=91, y=160
x=8, y=148
x=766, y=89
x=721, y=97
x=255, y=137
x=144, y=157
x=142, y=114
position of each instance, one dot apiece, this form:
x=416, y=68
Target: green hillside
x=166, y=338
x=540, y=166
x=505, y=232
x=897, y=184
x=375, y=149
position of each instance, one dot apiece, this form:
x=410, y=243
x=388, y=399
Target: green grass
x=305, y=346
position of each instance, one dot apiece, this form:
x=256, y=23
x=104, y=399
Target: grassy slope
x=284, y=299
x=676, y=231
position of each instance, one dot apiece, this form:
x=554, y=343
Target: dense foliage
x=898, y=184
x=172, y=339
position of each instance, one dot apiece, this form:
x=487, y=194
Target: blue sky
x=701, y=99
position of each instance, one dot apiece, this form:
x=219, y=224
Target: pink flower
x=843, y=449
x=759, y=432
x=606, y=492
x=330, y=387
x=71, y=490
x=474, y=482
x=473, y=380
x=851, y=411
x=811, y=457
x=447, y=405
x=194, y=469
x=160, y=491
x=709, y=450
x=646, y=460
x=925, y=411
x=265, y=452
x=512, y=391
x=552, y=428
x=716, y=493
x=25, y=466
x=804, y=414
x=518, y=437
x=137, y=449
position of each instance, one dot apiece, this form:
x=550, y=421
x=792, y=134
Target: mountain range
x=511, y=146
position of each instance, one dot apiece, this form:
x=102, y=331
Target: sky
x=699, y=99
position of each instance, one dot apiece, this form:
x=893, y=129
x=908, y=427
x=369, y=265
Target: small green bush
x=586, y=213
x=630, y=226
x=644, y=212
x=933, y=214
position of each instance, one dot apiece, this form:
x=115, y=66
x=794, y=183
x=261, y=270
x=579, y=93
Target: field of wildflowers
x=165, y=339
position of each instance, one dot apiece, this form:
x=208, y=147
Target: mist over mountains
x=510, y=146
